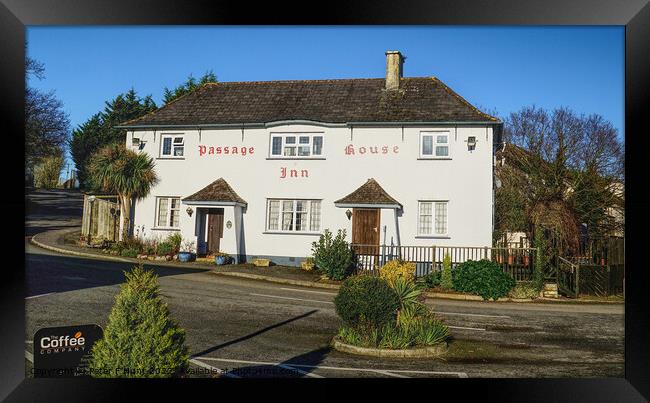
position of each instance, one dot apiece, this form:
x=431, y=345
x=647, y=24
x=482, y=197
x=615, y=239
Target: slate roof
x=419, y=99
x=369, y=193
x=218, y=190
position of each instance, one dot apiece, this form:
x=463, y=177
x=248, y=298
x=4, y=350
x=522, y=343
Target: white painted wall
x=465, y=180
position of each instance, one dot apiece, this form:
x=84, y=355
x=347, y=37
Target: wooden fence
x=518, y=262
x=597, y=269
x=100, y=220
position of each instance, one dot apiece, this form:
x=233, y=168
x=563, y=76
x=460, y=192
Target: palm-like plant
x=131, y=175
x=408, y=294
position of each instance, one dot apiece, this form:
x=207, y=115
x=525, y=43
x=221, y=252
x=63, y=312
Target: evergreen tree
x=188, y=86
x=446, y=281
x=100, y=131
x=140, y=340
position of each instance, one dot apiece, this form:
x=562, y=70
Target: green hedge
x=484, y=278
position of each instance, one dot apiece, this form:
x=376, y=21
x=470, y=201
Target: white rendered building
x=260, y=169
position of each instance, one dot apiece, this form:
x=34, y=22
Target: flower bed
x=386, y=313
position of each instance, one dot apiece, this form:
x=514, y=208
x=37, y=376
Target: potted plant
x=187, y=252
x=221, y=258
x=308, y=264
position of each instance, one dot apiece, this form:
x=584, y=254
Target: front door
x=365, y=231
x=215, y=230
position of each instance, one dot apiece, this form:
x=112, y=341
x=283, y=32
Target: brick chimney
x=394, y=67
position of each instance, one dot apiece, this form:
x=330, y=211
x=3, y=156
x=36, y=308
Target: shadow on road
x=251, y=335
x=284, y=369
x=280, y=370
x=50, y=273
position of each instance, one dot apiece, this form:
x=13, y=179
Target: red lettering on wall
x=350, y=149
x=218, y=150
x=293, y=173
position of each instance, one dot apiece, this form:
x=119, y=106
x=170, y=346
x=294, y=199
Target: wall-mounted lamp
x=91, y=198
x=471, y=143
x=189, y=211
x=348, y=213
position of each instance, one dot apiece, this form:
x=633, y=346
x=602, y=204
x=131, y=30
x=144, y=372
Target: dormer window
x=172, y=146
x=296, y=145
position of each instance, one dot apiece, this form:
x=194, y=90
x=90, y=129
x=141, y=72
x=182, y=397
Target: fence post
x=485, y=253
x=433, y=258
x=577, y=280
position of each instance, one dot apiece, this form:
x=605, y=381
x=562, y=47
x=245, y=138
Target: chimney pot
x=394, y=69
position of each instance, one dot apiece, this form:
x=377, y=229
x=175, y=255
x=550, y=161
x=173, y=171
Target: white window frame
x=174, y=137
x=297, y=145
x=433, y=233
x=281, y=212
x=169, y=210
x=434, y=134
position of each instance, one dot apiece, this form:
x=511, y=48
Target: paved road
x=236, y=323
x=251, y=328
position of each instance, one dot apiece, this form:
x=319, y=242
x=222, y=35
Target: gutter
x=369, y=205
x=306, y=122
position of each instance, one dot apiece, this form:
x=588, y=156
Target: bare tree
x=46, y=123
x=562, y=169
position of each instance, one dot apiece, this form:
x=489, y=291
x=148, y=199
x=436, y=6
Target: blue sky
x=498, y=69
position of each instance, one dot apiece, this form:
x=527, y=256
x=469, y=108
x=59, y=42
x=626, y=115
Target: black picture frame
x=633, y=14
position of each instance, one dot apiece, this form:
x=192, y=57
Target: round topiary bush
x=366, y=300
x=484, y=278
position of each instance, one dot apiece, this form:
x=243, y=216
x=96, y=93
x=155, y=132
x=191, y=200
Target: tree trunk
x=125, y=217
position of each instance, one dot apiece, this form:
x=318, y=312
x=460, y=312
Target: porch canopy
x=218, y=193
x=369, y=195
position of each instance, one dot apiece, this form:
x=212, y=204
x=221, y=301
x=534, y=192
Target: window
x=173, y=146
x=293, y=215
x=168, y=212
x=296, y=145
x=432, y=218
x=434, y=145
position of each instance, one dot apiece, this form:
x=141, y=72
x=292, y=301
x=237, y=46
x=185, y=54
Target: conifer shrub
x=366, y=300
x=446, y=281
x=141, y=340
x=541, y=259
x=484, y=278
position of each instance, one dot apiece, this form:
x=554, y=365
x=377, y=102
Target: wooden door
x=215, y=230
x=365, y=230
